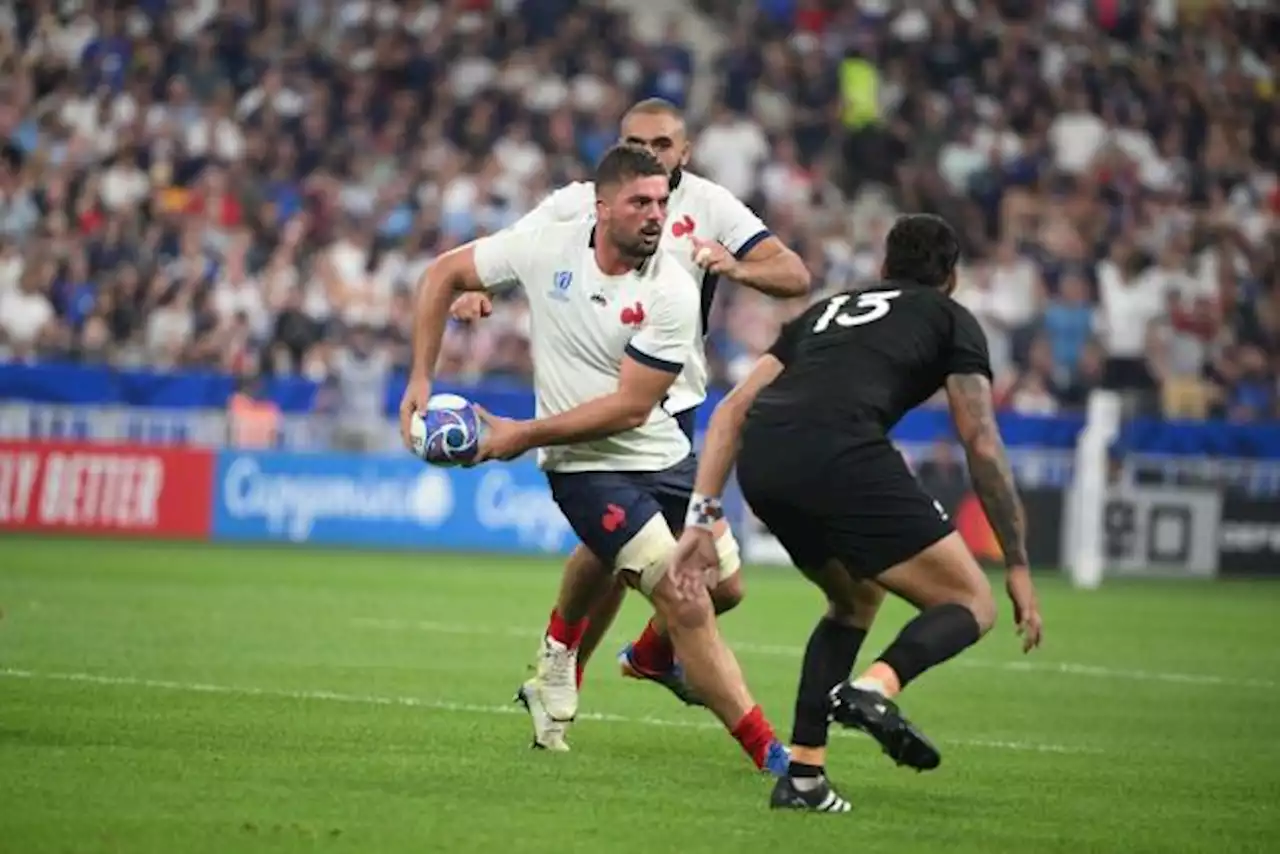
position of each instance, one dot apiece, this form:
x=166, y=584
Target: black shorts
x=606, y=509
x=1123, y=374
x=858, y=504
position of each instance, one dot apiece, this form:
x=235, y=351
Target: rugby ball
x=447, y=432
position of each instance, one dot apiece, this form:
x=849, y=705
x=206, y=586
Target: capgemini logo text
x=291, y=504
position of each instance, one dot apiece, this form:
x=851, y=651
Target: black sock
x=828, y=659
x=806, y=778
x=935, y=635
x=800, y=769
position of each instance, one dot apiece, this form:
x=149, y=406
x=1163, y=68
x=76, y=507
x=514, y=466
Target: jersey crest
x=633, y=315
x=684, y=226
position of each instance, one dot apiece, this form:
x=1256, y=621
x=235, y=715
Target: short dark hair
x=626, y=162
x=921, y=248
x=654, y=107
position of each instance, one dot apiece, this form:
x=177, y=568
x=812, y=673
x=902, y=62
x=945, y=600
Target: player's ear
x=953, y=280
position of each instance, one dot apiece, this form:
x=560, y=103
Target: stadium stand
x=242, y=186
x=1114, y=167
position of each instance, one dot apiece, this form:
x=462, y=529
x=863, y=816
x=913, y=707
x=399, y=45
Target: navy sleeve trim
x=752, y=243
x=650, y=362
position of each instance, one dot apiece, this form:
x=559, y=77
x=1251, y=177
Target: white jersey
x=697, y=206
x=583, y=323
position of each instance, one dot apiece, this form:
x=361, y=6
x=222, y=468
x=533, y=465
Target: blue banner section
x=103, y=386
x=386, y=502
x=392, y=502
x=72, y=384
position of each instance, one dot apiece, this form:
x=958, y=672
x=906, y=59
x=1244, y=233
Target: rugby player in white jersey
x=713, y=235
x=615, y=321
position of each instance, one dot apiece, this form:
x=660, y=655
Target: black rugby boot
x=821, y=798
x=879, y=718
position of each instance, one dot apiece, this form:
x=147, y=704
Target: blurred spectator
x=28, y=324
x=1069, y=323
x=1131, y=305
x=253, y=420
x=1036, y=390
x=359, y=373
x=235, y=186
x=942, y=471
x=730, y=151
x=1086, y=376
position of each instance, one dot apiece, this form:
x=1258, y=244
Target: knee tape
x=648, y=553
x=730, y=557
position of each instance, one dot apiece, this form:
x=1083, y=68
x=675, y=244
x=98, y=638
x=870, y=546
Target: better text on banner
x=131, y=490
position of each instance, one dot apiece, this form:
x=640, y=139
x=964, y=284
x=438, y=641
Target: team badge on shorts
x=560, y=292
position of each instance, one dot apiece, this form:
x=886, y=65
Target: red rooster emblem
x=633, y=315
x=614, y=518
x=685, y=226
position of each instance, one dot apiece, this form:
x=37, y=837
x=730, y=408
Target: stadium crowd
x=255, y=186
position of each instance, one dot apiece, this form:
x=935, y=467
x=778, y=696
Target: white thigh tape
x=648, y=553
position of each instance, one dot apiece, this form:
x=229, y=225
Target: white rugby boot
x=547, y=734
x=557, y=680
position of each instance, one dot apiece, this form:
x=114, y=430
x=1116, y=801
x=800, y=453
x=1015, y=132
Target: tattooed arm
x=973, y=412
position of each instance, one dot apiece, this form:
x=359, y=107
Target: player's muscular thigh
x=945, y=572
x=644, y=559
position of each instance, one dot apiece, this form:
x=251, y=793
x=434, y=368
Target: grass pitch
x=166, y=698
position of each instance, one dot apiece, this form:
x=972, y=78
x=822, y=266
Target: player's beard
x=638, y=247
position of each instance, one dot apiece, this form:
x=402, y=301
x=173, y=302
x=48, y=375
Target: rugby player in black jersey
x=809, y=430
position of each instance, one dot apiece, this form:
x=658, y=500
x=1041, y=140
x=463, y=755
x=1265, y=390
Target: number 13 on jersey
x=874, y=305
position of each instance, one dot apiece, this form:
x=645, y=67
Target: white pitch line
x=1062, y=667
x=449, y=706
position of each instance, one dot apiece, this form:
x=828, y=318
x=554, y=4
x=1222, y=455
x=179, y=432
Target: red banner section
x=106, y=489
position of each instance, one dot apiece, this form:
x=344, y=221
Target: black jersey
x=856, y=362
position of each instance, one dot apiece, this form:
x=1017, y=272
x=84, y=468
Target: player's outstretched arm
x=448, y=276
x=720, y=446
x=641, y=387
x=743, y=249
x=774, y=268
x=653, y=359
x=973, y=411
x=769, y=266
x=695, y=558
x=481, y=265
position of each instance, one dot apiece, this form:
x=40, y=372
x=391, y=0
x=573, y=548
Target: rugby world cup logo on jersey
x=560, y=286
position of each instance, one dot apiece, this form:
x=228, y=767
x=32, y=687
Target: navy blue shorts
x=688, y=421
x=606, y=509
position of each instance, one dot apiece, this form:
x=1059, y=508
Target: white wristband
x=704, y=512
